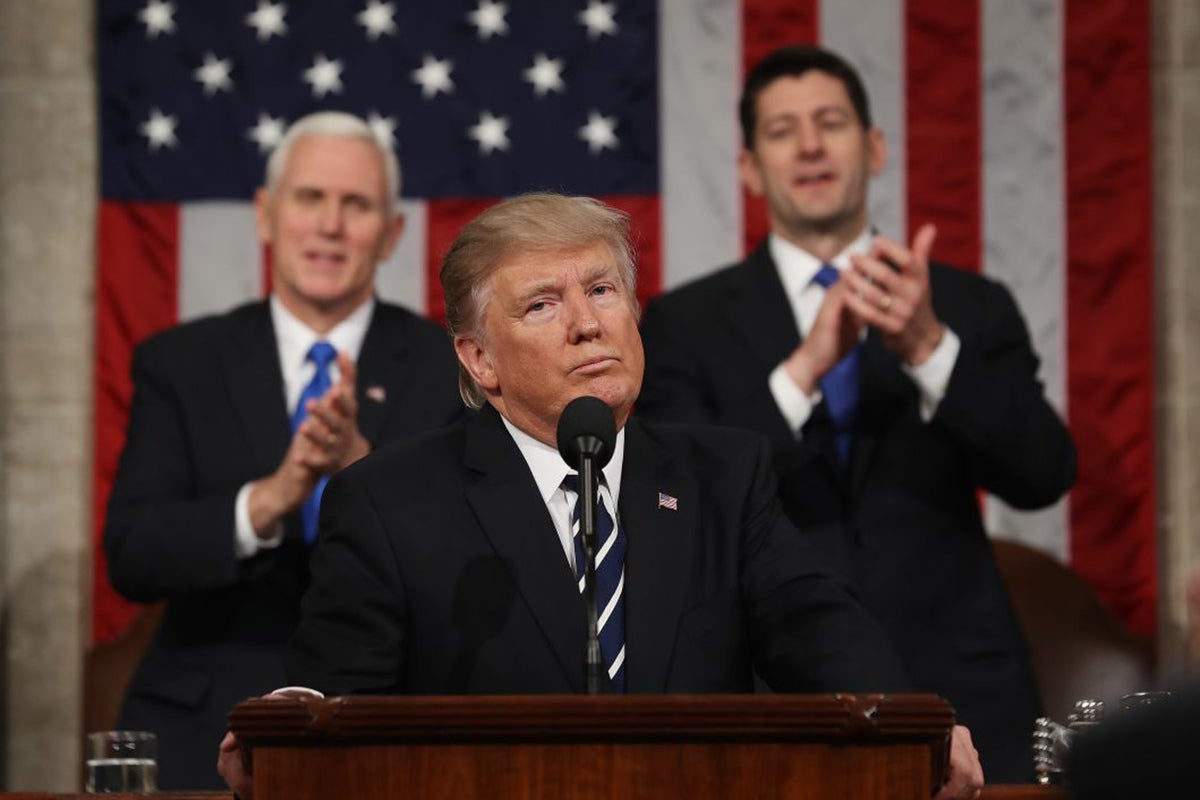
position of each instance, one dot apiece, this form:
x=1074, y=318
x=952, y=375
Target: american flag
x=1021, y=127
x=668, y=502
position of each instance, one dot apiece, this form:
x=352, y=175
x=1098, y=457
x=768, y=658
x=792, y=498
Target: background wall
x=47, y=194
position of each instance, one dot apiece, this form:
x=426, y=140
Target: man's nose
x=810, y=140
x=584, y=322
x=329, y=218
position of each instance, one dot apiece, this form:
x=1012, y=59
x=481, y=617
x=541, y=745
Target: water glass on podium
x=121, y=761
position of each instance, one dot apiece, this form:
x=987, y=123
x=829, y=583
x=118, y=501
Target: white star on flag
x=160, y=130
x=488, y=19
x=267, y=19
x=599, y=133
x=491, y=133
x=434, y=76
x=325, y=76
x=377, y=19
x=545, y=74
x=214, y=74
x=268, y=132
x=598, y=17
x=157, y=18
x=383, y=127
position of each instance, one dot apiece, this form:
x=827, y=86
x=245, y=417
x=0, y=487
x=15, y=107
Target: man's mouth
x=814, y=178
x=595, y=364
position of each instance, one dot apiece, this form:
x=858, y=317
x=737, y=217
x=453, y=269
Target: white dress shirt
x=797, y=268
x=549, y=469
x=293, y=340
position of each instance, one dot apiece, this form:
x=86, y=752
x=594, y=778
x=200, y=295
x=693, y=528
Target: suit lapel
x=657, y=561
x=760, y=311
x=884, y=393
x=514, y=518
x=255, y=382
x=383, y=372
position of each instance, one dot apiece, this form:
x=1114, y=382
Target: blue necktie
x=840, y=384
x=322, y=354
x=610, y=583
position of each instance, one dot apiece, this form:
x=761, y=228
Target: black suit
x=438, y=570
x=902, y=519
x=208, y=416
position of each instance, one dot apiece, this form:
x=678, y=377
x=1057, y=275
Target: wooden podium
x=694, y=747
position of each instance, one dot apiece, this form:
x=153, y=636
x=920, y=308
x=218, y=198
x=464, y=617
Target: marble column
x=1176, y=72
x=47, y=201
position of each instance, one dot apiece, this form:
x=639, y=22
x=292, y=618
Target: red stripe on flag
x=136, y=295
x=943, y=107
x=768, y=25
x=646, y=230
x=1110, y=281
x=444, y=220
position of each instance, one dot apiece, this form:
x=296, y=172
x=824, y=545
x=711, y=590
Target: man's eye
x=540, y=305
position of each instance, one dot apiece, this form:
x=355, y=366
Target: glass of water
x=122, y=761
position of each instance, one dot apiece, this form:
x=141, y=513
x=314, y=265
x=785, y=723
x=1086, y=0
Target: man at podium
x=447, y=564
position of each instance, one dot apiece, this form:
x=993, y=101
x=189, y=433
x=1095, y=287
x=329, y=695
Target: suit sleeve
x=679, y=388
x=996, y=409
x=163, y=536
x=808, y=632
x=351, y=637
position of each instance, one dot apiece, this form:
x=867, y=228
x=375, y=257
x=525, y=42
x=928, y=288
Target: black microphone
x=587, y=435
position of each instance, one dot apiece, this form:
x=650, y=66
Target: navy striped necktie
x=840, y=384
x=610, y=583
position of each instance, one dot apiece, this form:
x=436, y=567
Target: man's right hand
x=283, y=491
x=834, y=333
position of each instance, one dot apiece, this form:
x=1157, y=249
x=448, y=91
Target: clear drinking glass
x=121, y=761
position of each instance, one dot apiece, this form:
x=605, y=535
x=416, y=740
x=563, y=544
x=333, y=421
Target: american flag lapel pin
x=376, y=393
x=667, y=501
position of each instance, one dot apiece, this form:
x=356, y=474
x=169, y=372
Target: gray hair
x=335, y=123
x=531, y=223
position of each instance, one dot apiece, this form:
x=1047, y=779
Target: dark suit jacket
x=903, y=521
x=208, y=416
x=438, y=570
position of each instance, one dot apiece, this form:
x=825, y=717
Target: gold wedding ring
x=885, y=301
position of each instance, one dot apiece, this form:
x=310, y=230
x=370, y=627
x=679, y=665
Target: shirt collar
x=295, y=338
x=549, y=469
x=797, y=267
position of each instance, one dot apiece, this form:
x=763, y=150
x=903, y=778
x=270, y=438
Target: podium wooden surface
x=580, y=748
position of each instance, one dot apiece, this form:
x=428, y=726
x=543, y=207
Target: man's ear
x=395, y=228
x=876, y=150
x=262, y=216
x=475, y=360
x=749, y=172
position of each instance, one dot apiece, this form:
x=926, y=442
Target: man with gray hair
x=238, y=420
x=447, y=564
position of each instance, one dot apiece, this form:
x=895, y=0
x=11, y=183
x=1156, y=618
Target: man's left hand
x=966, y=773
x=889, y=289
x=330, y=430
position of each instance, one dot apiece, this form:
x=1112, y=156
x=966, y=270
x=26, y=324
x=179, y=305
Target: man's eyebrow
x=541, y=287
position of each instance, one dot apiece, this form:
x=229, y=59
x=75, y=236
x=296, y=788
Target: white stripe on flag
x=699, y=70
x=401, y=279
x=1023, y=207
x=870, y=35
x=220, y=265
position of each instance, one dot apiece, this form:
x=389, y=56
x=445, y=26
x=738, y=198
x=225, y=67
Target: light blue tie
x=322, y=354
x=610, y=583
x=840, y=384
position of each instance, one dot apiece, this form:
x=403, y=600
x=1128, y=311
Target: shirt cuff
x=246, y=542
x=933, y=376
x=794, y=404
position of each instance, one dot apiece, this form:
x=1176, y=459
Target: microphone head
x=587, y=427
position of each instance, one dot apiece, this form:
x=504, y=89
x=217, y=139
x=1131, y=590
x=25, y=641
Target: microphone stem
x=588, y=492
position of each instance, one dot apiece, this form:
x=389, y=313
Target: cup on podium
x=121, y=761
